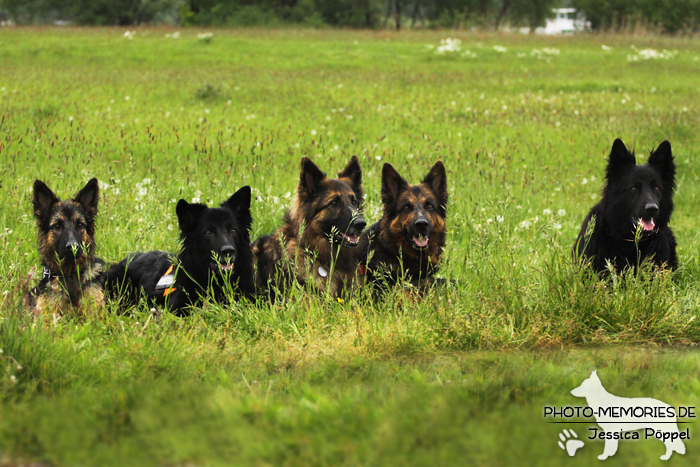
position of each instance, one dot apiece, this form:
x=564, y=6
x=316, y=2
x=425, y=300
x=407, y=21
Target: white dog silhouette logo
x=616, y=415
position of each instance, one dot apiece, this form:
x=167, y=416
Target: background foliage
x=670, y=16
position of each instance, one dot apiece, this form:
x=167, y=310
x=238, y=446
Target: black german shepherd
x=630, y=223
x=318, y=241
x=72, y=276
x=407, y=243
x=215, y=259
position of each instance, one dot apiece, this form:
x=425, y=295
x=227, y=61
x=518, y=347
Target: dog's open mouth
x=420, y=242
x=221, y=266
x=648, y=225
x=349, y=240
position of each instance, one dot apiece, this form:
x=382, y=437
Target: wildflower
x=500, y=49
x=652, y=54
x=449, y=46
x=547, y=212
x=561, y=212
x=13, y=380
x=205, y=36
x=499, y=218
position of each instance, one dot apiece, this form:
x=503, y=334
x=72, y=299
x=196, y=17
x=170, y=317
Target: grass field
x=523, y=124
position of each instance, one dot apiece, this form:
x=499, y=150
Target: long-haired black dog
x=215, y=260
x=630, y=223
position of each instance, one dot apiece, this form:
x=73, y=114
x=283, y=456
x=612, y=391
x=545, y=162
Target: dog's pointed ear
x=188, y=215
x=392, y=184
x=620, y=158
x=662, y=160
x=353, y=172
x=239, y=204
x=311, y=176
x=43, y=199
x=437, y=181
x=89, y=196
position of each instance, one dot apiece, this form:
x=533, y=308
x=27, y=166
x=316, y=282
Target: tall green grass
x=454, y=377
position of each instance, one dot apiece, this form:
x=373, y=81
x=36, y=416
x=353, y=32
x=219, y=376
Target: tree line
x=671, y=16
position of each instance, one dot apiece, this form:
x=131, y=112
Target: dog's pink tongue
x=648, y=225
x=421, y=242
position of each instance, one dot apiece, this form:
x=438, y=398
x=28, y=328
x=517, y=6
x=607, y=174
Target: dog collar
x=165, y=283
x=48, y=274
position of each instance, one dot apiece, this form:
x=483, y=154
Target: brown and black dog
x=317, y=244
x=72, y=278
x=406, y=244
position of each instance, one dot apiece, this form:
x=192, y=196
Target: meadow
x=523, y=124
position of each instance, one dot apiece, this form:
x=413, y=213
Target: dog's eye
x=208, y=233
x=354, y=201
x=407, y=208
x=429, y=207
x=234, y=231
x=656, y=188
x=80, y=225
x=56, y=226
x=634, y=188
x=334, y=203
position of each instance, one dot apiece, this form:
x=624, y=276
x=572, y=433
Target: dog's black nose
x=651, y=208
x=421, y=224
x=73, y=247
x=358, y=224
x=227, y=251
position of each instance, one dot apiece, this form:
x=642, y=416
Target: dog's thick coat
x=72, y=277
x=317, y=243
x=630, y=223
x=215, y=260
x=407, y=242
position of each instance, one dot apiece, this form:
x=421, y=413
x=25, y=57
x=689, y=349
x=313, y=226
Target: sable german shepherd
x=72, y=276
x=630, y=223
x=215, y=259
x=408, y=240
x=318, y=241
